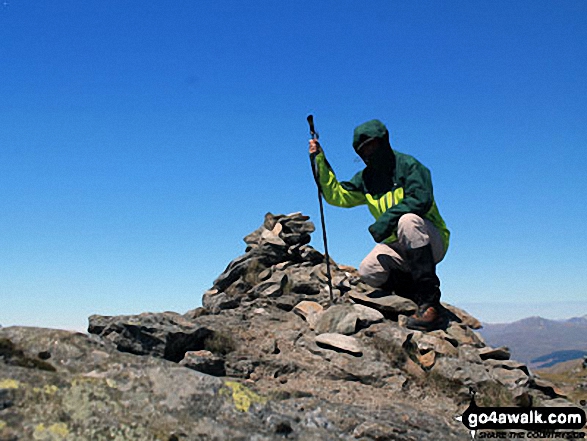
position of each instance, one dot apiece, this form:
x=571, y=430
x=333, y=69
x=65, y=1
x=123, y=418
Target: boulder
x=464, y=335
x=512, y=378
x=463, y=317
x=340, y=342
x=166, y=335
x=487, y=353
x=390, y=305
x=339, y=319
x=309, y=311
x=205, y=362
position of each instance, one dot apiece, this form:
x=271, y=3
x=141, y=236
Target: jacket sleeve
x=418, y=199
x=341, y=194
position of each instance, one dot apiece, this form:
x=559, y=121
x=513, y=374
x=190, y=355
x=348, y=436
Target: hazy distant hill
x=554, y=358
x=537, y=341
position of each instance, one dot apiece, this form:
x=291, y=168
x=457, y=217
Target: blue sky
x=141, y=141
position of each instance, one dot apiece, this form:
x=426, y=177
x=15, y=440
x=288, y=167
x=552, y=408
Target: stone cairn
x=279, y=282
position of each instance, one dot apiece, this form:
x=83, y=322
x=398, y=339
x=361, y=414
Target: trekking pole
x=315, y=136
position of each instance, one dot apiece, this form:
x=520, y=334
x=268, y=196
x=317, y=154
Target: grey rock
x=342, y=283
x=522, y=397
x=309, y=311
x=546, y=387
x=501, y=353
x=391, y=332
x=273, y=287
x=336, y=294
x=508, y=364
x=464, y=335
x=390, y=305
x=295, y=238
x=305, y=286
x=193, y=314
x=270, y=254
x=162, y=397
x=253, y=238
x=265, y=274
x=346, y=319
x=309, y=254
x=341, y=342
x=456, y=371
x=205, y=362
x=286, y=302
x=366, y=315
x=216, y=301
x=427, y=342
x=469, y=354
x=378, y=431
x=271, y=237
x=232, y=273
x=512, y=378
x=464, y=317
x=166, y=335
x=319, y=273
x=282, y=231
x=557, y=402
x=339, y=319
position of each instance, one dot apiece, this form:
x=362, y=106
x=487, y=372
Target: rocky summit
x=267, y=357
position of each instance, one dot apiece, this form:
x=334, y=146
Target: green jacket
x=409, y=190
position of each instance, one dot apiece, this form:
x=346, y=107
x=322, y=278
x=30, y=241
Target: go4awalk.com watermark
x=524, y=423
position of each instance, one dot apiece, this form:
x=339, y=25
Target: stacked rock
x=278, y=264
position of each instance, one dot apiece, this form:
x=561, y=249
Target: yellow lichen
x=243, y=398
x=48, y=389
x=59, y=429
x=2, y=424
x=9, y=383
x=56, y=431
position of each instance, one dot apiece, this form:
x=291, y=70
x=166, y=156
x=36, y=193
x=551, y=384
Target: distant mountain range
x=540, y=342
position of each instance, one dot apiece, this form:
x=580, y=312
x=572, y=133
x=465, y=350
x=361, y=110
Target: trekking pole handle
x=315, y=136
x=313, y=131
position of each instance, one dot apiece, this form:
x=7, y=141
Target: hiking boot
x=427, y=318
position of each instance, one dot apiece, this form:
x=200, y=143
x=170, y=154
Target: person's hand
x=315, y=147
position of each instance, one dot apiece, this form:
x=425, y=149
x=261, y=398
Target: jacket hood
x=369, y=130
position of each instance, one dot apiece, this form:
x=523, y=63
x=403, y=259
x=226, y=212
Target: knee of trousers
x=411, y=231
x=372, y=276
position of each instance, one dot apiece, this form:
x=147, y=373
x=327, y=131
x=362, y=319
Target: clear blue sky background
x=141, y=141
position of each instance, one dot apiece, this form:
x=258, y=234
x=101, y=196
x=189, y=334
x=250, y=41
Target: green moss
x=490, y=394
x=219, y=343
x=251, y=276
x=441, y=384
x=287, y=288
x=394, y=353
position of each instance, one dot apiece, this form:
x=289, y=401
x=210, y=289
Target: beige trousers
x=412, y=232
